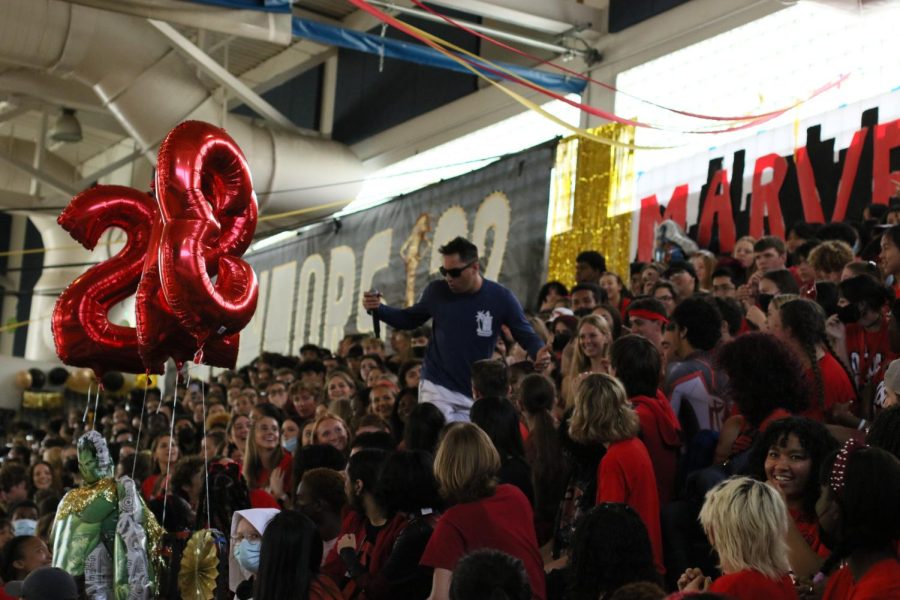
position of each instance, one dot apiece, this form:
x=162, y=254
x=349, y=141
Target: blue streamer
x=273, y=6
x=422, y=55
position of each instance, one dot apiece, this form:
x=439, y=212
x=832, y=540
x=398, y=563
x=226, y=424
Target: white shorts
x=454, y=405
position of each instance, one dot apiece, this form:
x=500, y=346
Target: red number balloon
x=209, y=213
x=159, y=332
x=81, y=328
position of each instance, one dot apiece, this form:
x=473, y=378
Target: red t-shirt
x=286, y=464
x=503, y=522
x=869, y=352
x=661, y=434
x=147, y=488
x=808, y=526
x=881, y=582
x=836, y=388
x=625, y=475
x=753, y=585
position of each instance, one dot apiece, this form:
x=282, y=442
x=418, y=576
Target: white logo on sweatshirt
x=484, y=320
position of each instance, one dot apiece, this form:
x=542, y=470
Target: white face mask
x=24, y=527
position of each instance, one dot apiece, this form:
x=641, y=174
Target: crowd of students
x=717, y=425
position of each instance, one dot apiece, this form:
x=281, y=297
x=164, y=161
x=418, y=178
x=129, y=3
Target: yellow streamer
x=519, y=98
x=14, y=326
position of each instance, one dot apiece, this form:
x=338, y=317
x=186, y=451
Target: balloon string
x=169, y=458
x=87, y=406
x=205, y=454
x=96, y=405
x=137, y=445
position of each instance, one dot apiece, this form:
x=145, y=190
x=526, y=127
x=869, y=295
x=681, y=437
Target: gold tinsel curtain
x=591, y=203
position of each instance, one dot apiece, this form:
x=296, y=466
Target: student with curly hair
x=789, y=456
x=760, y=400
x=611, y=548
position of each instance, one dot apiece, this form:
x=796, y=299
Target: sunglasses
x=454, y=273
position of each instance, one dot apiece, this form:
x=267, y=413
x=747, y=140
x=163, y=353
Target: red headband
x=839, y=469
x=642, y=313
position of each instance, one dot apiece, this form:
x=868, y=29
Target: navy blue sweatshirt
x=465, y=329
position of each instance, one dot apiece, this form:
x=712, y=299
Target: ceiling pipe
x=149, y=88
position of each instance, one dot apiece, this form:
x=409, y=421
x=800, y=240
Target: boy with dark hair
x=589, y=266
x=638, y=365
x=13, y=485
x=467, y=312
x=724, y=283
x=770, y=254
x=490, y=379
x=693, y=385
x=586, y=297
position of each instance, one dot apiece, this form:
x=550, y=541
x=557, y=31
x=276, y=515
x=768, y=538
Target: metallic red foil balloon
x=159, y=331
x=81, y=328
x=209, y=213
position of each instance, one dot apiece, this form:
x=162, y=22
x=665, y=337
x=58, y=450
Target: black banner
x=311, y=287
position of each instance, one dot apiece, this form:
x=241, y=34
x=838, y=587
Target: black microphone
x=376, y=323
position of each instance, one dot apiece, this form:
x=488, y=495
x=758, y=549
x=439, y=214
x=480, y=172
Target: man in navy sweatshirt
x=466, y=312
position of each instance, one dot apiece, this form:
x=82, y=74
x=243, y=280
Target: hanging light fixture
x=67, y=128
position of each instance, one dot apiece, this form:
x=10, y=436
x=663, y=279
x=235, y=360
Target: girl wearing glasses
x=247, y=528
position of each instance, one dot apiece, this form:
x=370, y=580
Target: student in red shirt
x=267, y=466
x=801, y=325
x=636, y=362
x=859, y=332
x=858, y=509
x=603, y=414
x=483, y=515
x=165, y=454
x=746, y=522
x=789, y=456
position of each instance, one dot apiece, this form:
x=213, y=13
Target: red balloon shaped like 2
x=209, y=213
x=84, y=335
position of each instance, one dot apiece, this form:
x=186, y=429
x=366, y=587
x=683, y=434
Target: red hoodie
x=661, y=434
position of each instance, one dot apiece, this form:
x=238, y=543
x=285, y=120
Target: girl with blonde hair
x=589, y=353
x=746, y=522
x=625, y=474
x=484, y=514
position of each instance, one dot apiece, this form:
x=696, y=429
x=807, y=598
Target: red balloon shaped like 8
x=209, y=212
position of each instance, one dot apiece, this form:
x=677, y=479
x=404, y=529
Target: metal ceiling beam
x=303, y=55
x=107, y=169
x=539, y=15
x=41, y=176
x=14, y=112
x=223, y=77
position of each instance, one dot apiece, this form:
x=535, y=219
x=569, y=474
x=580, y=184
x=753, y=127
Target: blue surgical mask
x=247, y=555
x=290, y=444
x=24, y=527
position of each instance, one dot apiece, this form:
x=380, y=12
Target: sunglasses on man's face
x=454, y=273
